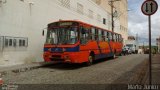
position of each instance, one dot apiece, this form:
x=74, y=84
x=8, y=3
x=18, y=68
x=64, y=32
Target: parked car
x=130, y=51
x=126, y=50
x=123, y=51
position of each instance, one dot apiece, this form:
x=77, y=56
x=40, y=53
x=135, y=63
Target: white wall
x=21, y=19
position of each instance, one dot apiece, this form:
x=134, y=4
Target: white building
x=22, y=22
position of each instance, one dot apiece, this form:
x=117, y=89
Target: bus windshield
x=62, y=35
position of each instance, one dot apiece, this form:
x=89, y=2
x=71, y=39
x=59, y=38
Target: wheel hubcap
x=90, y=59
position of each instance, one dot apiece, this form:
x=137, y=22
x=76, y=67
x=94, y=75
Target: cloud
x=138, y=23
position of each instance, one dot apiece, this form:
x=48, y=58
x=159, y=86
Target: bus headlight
x=66, y=57
x=49, y=50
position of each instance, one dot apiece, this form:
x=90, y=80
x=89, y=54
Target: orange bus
x=77, y=42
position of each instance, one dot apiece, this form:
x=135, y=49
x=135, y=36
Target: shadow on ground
x=69, y=66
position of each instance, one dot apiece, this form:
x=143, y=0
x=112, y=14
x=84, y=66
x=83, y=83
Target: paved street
x=103, y=72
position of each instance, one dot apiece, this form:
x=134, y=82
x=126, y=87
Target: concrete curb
x=24, y=67
x=155, y=71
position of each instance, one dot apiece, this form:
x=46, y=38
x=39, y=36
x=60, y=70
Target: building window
x=80, y=8
x=6, y=42
x=22, y=43
x=15, y=41
x=104, y=21
x=90, y=15
x=1, y=42
x=65, y=3
x=10, y=42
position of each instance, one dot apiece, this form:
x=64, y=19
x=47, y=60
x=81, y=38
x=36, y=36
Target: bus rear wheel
x=114, y=56
x=90, y=60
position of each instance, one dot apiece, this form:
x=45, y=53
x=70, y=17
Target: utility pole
x=112, y=19
x=112, y=16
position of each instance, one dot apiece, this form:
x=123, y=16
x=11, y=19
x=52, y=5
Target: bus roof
x=83, y=23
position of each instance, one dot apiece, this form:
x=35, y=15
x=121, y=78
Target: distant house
x=131, y=38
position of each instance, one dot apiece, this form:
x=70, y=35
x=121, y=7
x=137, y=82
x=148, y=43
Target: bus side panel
x=78, y=57
x=90, y=46
x=112, y=44
x=117, y=47
x=101, y=49
x=105, y=49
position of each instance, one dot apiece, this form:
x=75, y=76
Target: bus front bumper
x=60, y=57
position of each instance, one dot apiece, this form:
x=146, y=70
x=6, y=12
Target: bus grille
x=56, y=58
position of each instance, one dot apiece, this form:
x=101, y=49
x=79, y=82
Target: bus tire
x=90, y=60
x=114, y=56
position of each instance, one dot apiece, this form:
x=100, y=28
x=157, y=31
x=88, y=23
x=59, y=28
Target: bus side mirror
x=43, y=33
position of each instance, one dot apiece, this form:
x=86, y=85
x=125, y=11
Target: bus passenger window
x=73, y=37
x=96, y=34
x=106, y=36
x=93, y=33
x=84, y=36
x=99, y=34
x=118, y=38
x=121, y=39
x=89, y=34
x=103, y=36
x=110, y=36
x=83, y=30
x=115, y=37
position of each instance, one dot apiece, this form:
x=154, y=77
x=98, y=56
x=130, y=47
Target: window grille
x=104, y=21
x=15, y=41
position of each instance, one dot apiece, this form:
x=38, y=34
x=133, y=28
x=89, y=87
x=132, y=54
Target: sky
x=138, y=22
